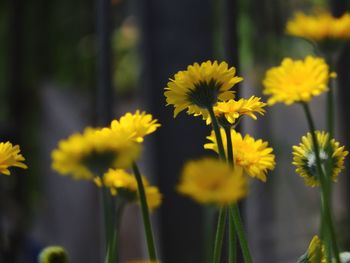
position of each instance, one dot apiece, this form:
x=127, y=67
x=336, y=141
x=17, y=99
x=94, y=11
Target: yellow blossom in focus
x=305, y=160
x=321, y=26
x=136, y=125
x=315, y=252
x=10, y=156
x=232, y=110
x=123, y=184
x=254, y=156
x=88, y=154
x=201, y=86
x=211, y=181
x=296, y=80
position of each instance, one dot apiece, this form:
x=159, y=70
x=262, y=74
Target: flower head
x=315, y=252
x=53, y=254
x=319, y=27
x=229, y=112
x=88, y=154
x=136, y=125
x=124, y=185
x=305, y=160
x=210, y=181
x=254, y=156
x=201, y=86
x=296, y=80
x=10, y=156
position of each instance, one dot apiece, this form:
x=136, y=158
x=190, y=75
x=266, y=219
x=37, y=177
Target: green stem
x=229, y=146
x=330, y=111
x=145, y=214
x=108, y=222
x=217, y=132
x=232, y=242
x=324, y=188
x=219, y=235
x=240, y=233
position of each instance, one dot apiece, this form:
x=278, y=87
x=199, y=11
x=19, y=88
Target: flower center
x=205, y=94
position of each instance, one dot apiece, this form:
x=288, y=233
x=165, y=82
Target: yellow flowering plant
x=205, y=90
x=104, y=155
x=318, y=158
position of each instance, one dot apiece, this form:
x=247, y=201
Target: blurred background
x=65, y=65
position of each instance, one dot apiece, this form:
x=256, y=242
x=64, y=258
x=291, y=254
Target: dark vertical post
x=231, y=49
x=338, y=7
x=175, y=33
x=104, y=87
x=231, y=33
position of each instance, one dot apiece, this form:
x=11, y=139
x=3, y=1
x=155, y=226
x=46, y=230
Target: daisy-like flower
x=137, y=125
x=229, y=112
x=10, y=156
x=201, y=86
x=124, y=185
x=315, y=252
x=53, y=254
x=330, y=153
x=254, y=156
x=297, y=80
x=91, y=153
x=319, y=27
x=211, y=181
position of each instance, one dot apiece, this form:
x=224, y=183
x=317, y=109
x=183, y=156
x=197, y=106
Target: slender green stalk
x=216, y=129
x=330, y=110
x=330, y=234
x=229, y=146
x=108, y=222
x=208, y=231
x=232, y=241
x=145, y=214
x=219, y=235
x=240, y=233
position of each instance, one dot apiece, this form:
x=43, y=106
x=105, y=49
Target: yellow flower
x=305, y=161
x=201, y=86
x=53, y=254
x=210, y=181
x=296, y=80
x=315, y=252
x=123, y=184
x=321, y=26
x=254, y=156
x=137, y=125
x=10, y=156
x=228, y=112
x=94, y=151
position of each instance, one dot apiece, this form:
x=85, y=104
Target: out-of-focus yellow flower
x=136, y=125
x=123, y=184
x=315, y=252
x=254, y=156
x=93, y=152
x=210, y=181
x=10, y=156
x=53, y=254
x=296, y=80
x=201, y=86
x=230, y=111
x=305, y=160
x=318, y=27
